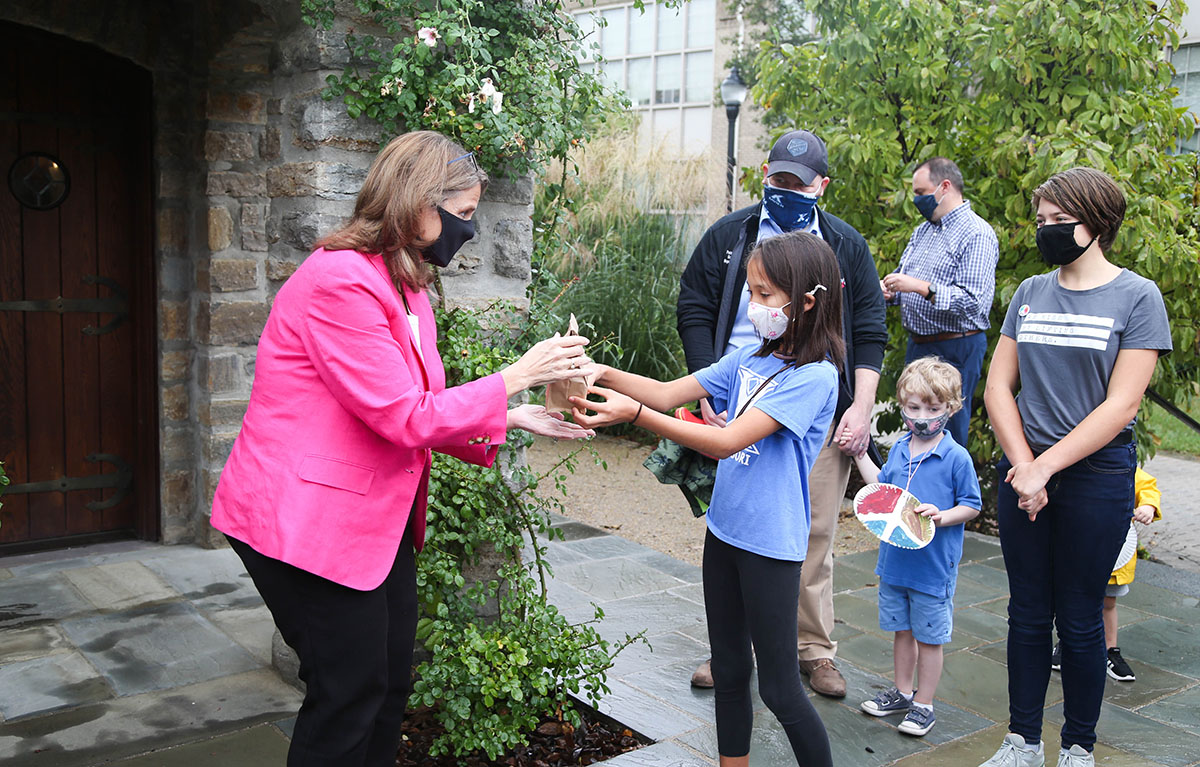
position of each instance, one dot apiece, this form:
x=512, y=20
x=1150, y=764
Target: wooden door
x=78, y=430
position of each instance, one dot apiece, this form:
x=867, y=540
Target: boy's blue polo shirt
x=946, y=478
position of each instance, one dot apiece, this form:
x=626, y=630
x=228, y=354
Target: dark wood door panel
x=77, y=382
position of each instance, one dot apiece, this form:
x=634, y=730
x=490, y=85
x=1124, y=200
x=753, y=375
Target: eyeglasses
x=468, y=156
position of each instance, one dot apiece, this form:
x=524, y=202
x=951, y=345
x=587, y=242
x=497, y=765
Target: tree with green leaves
x=779, y=22
x=1014, y=91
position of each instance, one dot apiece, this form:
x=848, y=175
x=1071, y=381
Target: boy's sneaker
x=1015, y=753
x=886, y=702
x=1076, y=757
x=918, y=721
x=1056, y=657
x=1117, y=667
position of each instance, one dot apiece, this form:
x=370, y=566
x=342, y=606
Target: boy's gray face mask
x=926, y=427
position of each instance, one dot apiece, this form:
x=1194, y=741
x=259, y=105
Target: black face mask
x=1057, y=244
x=455, y=233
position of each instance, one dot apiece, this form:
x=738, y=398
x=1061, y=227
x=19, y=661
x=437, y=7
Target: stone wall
x=251, y=166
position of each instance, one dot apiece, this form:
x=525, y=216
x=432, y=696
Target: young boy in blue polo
x=916, y=586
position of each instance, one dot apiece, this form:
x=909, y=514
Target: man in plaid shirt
x=946, y=280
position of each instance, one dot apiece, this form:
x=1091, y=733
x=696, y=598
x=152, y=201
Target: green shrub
x=1171, y=434
x=492, y=678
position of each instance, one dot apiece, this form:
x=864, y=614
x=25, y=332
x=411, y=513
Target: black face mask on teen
x=1056, y=242
x=456, y=232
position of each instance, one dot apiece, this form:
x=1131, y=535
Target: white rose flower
x=429, y=36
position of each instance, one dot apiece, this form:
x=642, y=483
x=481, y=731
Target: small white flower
x=429, y=36
x=487, y=89
x=399, y=86
x=386, y=88
x=497, y=97
x=471, y=104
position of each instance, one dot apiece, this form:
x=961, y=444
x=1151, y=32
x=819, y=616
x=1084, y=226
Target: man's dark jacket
x=708, y=299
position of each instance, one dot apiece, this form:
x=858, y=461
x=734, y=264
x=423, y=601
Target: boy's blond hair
x=931, y=380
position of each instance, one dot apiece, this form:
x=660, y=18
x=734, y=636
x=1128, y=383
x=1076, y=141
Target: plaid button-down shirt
x=958, y=256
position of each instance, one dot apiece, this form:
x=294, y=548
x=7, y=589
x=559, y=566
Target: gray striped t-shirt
x=1067, y=344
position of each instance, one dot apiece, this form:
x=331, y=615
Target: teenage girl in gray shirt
x=1076, y=352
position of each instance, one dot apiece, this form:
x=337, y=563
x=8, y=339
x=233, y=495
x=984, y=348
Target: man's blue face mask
x=927, y=204
x=788, y=209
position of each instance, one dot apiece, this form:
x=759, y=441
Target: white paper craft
x=889, y=512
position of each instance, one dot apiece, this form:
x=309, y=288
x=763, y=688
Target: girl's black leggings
x=750, y=600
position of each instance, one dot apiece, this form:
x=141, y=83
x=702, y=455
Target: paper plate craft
x=1128, y=548
x=889, y=512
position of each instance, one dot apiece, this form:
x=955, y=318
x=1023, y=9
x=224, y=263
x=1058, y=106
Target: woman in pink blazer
x=324, y=494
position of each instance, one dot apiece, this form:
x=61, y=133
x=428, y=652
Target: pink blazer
x=334, y=451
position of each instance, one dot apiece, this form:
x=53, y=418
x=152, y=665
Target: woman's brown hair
x=1088, y=195
x=414, y=172
x=798, y=263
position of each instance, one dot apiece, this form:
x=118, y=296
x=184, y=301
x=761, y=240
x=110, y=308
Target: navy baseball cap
x=800, y=153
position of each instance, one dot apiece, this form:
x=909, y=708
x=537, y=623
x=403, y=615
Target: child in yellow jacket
x=1146, y=510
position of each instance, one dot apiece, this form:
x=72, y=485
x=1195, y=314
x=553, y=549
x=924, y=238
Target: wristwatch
x=930, y=293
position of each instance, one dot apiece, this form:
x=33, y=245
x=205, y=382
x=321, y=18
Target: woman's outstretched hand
x=615, y=408
x=538, y=420
x=554, y=359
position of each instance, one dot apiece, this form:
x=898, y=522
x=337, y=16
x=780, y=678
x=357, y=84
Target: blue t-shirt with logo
x=944, y=476
x=760, y=500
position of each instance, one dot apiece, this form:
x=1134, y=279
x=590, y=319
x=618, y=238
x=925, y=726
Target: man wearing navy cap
x=712, y=322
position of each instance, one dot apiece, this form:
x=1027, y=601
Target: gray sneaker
x=1076, y=757
x=1015, y=753
x=886, y=702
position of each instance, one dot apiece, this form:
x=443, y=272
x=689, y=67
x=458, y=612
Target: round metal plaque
x=39, y=181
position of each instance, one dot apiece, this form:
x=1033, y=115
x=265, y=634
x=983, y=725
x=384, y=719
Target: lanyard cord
x=913, y=469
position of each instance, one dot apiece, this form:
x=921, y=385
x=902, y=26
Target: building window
x=663, y=61
x=1186, y=61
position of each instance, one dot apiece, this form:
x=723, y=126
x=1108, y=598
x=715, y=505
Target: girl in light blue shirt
x=782, y=394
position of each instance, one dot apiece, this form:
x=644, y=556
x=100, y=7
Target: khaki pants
x=814, y=618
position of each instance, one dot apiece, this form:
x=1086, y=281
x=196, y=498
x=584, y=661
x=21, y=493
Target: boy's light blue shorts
x=929, y=618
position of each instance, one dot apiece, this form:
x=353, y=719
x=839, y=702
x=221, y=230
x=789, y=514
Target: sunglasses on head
x=468, y=156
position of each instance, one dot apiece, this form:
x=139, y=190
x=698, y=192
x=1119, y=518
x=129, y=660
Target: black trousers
x=355, y=650
x=751, y=600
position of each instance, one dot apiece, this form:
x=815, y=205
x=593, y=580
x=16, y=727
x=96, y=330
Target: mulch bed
x=552, y=744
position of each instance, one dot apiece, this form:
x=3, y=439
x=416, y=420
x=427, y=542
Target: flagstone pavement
x=144, y=655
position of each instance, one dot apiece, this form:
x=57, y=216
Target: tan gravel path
x=628, y=501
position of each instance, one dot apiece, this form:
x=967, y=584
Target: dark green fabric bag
x=695, y=474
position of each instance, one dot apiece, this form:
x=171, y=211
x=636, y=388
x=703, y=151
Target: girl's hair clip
x=813, y=292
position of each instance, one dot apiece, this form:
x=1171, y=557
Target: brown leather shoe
x=702, y=676
x=824, y=677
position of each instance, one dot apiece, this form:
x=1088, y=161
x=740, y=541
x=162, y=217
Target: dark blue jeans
x=966, y=355
x=1058, y=566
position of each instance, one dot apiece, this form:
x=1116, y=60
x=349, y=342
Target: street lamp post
x=733, y=93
